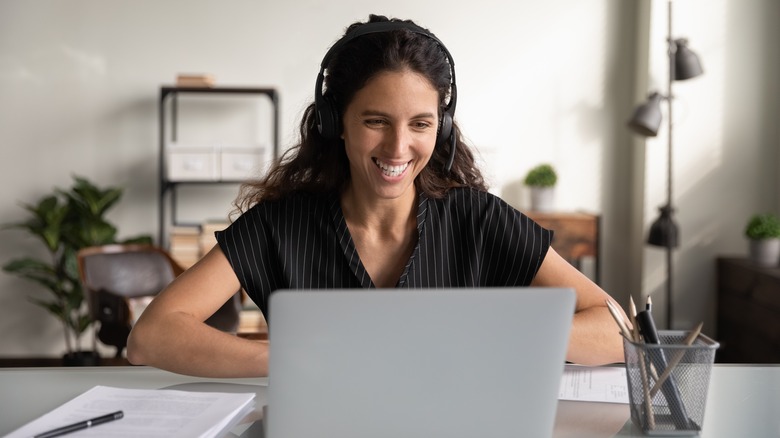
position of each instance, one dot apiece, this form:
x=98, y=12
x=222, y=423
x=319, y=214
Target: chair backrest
x=113, y=275
x=126, y=270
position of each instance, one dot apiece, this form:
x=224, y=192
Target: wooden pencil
x=618, y=319
x=688, y=341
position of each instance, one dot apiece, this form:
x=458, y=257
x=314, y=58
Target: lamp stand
x=669, y=244
x=647, y=118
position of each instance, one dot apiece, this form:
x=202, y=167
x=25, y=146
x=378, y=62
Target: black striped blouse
x=469, y=238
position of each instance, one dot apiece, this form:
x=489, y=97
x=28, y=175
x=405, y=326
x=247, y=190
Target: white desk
x=742, y=400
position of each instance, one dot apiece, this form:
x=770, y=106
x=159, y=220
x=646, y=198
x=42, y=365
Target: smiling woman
x=381, y=192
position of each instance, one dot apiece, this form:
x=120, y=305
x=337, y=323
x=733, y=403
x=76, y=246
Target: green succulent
x=542, y=175
x=763, y=226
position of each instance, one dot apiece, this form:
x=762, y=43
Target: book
x=195, y=80
x=148, y=413
x=185, y=244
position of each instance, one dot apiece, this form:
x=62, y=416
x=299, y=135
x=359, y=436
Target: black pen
x=81, y=425
x=669, y=388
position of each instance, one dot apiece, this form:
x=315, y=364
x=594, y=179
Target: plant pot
x=542, y=198
x=81, y=359
x=765, y=252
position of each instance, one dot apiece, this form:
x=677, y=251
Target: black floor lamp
x=683, y=64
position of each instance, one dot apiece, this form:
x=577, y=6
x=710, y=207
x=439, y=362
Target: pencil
x=649, y=415
x=676, y=359
x=648, y=400
x=618, y=319
x=632, y=319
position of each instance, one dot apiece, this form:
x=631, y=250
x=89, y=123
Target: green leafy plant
x=542, y=175
x=66, y=221
x=763, y=226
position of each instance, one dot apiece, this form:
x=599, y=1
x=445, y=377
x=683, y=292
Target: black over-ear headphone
x=328, y=122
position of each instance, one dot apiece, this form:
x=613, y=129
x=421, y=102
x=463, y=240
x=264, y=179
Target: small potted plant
x=763, y=233
x=66, y=221
x=541, y=180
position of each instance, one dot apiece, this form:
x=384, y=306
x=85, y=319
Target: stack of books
x=207, y=238
x=188, y=243
x=185, y=244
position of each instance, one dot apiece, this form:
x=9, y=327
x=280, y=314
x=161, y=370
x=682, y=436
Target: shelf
x=205, y=182
x=168, y=103
x=165, y=90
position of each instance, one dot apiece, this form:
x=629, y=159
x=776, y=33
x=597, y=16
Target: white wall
x=538, y=81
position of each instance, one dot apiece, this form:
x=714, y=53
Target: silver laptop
x=420, y=363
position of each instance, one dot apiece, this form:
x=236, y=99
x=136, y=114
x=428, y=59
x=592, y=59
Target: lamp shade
x=647, y=116
x=664, y=231
x=686, y=62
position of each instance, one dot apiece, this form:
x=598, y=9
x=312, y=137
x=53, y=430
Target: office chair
x=115, y=277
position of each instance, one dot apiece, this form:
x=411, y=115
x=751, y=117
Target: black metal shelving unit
x=168, y=187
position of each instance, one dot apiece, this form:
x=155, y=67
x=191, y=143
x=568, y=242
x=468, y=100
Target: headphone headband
x=328, y=121
x=379, y=27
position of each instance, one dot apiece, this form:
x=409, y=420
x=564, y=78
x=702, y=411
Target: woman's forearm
x=595, y=338
x=180, y=343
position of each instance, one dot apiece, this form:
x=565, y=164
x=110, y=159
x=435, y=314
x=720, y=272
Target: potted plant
x=763, y=232
x=66, y=221
x=541, y=180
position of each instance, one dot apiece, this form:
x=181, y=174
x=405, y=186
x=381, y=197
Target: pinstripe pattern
x=468, y=239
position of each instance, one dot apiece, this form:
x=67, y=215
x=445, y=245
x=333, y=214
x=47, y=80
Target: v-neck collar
x=348, y=245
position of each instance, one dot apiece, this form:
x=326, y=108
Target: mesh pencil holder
x=668, y=382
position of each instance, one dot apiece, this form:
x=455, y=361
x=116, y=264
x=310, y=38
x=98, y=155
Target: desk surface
x=743, y=400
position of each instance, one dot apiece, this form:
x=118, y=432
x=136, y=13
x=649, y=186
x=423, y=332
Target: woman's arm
x=171, y=333
x=595, y=338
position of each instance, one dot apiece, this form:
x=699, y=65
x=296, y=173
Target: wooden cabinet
x=748, y=322
x=576, y=236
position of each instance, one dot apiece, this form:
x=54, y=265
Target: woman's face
x=390, y=132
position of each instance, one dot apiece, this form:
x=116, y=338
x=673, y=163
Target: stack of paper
x=594, y=384
x=148, y=413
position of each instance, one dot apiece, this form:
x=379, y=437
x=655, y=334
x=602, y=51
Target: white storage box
x=239, y=164
x=192, y=163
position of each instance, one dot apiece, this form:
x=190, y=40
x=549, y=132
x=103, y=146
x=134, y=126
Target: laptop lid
x=425, y=363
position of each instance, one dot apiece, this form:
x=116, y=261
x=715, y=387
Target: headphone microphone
x=326, y=110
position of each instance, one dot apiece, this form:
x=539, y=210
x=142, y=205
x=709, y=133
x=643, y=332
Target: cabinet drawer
x=192, y=165
x=241, y=164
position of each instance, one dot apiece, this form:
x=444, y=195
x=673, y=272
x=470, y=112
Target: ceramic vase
x=542, y=198
x=765, y=252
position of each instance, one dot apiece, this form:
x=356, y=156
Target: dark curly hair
x=320, y=165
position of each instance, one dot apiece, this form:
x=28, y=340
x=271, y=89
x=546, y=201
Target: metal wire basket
x=668, y=382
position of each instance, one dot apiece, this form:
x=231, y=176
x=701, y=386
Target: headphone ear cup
x=328, y=119
x=445, y=129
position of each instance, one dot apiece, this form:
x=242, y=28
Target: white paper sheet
x=147, y=413
x=596, y=384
